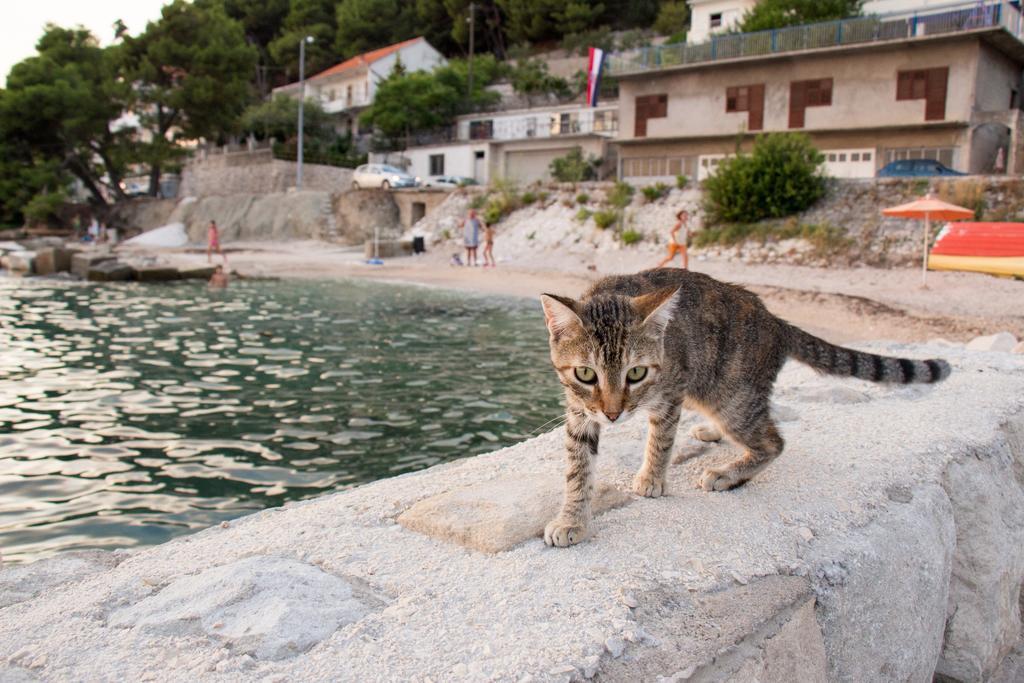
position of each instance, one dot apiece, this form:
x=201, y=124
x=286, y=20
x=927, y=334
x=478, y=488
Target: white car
x=382, y=176
x=448, y=181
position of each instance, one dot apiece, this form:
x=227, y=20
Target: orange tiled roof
x=365, y=58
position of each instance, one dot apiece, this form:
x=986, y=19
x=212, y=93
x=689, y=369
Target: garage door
x=526, y=167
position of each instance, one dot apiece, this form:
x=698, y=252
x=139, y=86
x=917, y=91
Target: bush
x=621, y=195
x=574, y=168
x=782, y=176
x=673, y=18
x=44, y=207
x=542, y=196
x=583, y=214
x=682, y=181
x=529, y=198
x=655, y=192
x=826, y=239
x=478, y=201
x=582, y=198
x=605, y=219
x=631, y=236
x=504, y=200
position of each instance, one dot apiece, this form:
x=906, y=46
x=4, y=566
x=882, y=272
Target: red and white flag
x=594, y=67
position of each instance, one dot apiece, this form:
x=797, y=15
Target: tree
x=315, y=18
x=531, y=79
x=673, y=18
x=362, y=26
x=190, y=74
x=261, y=22
x=782, y=176
x=769, y=14
x=57, y=116
x=574, y=167
x=277, y=118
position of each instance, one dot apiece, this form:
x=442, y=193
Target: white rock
x=271, y=607
x=1002, y=341
x=615, y=646
x=1019, y=348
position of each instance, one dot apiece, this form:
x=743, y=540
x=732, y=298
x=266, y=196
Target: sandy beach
x=842, y=304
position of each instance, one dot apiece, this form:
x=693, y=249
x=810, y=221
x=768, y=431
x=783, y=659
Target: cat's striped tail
x=844, y=362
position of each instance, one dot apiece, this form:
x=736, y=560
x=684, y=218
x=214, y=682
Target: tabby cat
x=666, y=339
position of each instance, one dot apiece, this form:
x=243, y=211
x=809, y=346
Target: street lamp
x=302, y=102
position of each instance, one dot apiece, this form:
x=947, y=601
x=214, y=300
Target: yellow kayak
x=1003, y=266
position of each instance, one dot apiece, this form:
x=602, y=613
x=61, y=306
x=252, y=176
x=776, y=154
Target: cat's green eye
x=586, y=375
x=636, y=374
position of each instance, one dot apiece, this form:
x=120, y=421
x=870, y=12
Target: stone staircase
x=330, y=220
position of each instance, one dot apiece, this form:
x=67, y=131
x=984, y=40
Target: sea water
x=133, y=413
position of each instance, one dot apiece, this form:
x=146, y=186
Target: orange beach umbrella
x=928, y=207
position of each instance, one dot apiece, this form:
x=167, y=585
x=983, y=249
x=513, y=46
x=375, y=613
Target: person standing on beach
x=489, y=246
x=471, y=233
x=675, y=246
x=213, y=243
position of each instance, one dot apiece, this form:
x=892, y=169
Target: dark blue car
x=915, y=167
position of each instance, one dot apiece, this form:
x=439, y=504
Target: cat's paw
x=705, y=432
x=647, y=486
x=563, y=532
x=721, y=479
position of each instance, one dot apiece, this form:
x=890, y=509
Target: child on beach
x=675, y=246
x=489, y=246
x=471, y=234
x=213, y=243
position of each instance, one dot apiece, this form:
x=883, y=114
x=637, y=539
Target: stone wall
x=214, y=176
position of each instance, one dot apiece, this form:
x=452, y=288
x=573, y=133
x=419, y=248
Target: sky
x=22, y=21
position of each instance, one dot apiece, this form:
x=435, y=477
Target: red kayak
x=980, y=239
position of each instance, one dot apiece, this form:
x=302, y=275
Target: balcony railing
x=954, y=18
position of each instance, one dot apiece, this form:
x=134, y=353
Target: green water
x=134, y=413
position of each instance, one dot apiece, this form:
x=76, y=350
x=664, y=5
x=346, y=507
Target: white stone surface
x=170, y=235
x=1001, y=341
x=881, y=485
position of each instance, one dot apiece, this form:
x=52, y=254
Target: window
x=748, y=98
x=929, y=85
x=481, y=130
x=531, y=127
x=607, y=121
x=348, y=96
x=944, y=155
x=716, y=20
x=562, y=124
x=803, y=94
x=649, y=107
x=436, y=164
x=646, y=167
x=478, y=155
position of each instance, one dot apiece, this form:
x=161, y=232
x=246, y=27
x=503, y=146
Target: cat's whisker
x=561, y=419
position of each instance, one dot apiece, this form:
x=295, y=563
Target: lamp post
x=302, y=102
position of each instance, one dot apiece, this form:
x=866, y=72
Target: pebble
x=590, y=665
x=1001, y=341
x=225, y=525
x=615, y=646
x=805, y=533
x=628, y=600
x=738, y=578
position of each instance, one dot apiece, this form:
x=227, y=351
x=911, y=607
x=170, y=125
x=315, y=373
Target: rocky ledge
x=886, y=544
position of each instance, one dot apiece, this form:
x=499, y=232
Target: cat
x=665, y=339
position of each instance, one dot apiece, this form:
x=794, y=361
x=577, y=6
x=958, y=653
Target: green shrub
x=542, y=196
x=631, y=236
x=605, y=219
x=673, y=18
x=574, y=167
x=478, y=201
x=782, y=176
x=682, y=181
x=826, y=239
x=621, y=195
x=582, y=198
x=529, y=198
x=44, y=207
x=583, y=214
x=655, y=192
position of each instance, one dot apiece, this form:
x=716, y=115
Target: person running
x=471, y=233
x=213, y=243
x=489, y=246
x=675, y=246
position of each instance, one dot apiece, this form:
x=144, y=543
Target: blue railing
x=856, y=30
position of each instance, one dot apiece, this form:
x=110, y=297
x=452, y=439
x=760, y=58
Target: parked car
x=448, y=181
x=915, y=167
x=383, y=176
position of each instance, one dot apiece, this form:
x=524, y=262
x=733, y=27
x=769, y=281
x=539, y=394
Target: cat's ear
x=657, y=307
x=559, y=313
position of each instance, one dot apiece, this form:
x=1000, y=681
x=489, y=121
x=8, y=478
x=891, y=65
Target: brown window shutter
x=662, y=106
x=904, y=85
x=797, y=103
x=730, y=99
x=756, y=107
x=935, y=97
x=640, y=124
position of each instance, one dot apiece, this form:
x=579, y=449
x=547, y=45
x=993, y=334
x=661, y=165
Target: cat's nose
x=612, y=416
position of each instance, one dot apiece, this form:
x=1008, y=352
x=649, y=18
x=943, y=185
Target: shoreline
x=843, y=305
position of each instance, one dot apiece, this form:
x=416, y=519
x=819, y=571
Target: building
x=708, y=17
x=516, y=144
x=346, y=89
x=867, y=91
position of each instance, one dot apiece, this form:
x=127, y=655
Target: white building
x=347, y=88
x=518, y=144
